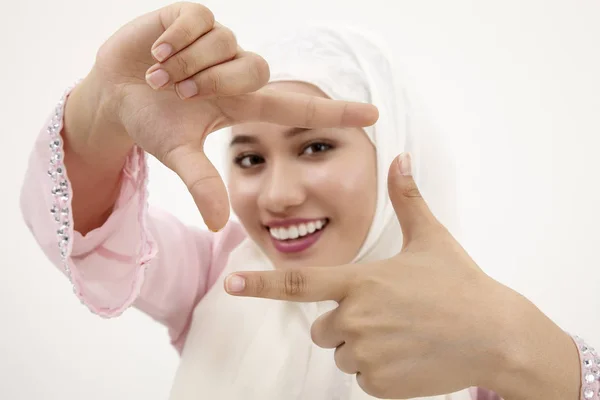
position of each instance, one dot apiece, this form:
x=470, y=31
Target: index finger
x=304, y=111
x=307, y=284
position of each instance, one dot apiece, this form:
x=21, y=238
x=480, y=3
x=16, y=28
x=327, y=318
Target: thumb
x=415, y=217
x=203, y=181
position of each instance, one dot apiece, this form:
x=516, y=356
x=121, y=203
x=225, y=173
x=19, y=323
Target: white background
x=511, y=88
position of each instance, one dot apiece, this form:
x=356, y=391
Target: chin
x=301, y=261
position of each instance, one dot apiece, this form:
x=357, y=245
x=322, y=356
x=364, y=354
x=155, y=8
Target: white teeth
x=283, y=234
x=302, y=230
x=296, y=231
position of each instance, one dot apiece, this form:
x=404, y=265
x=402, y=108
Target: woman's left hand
x=427, y=321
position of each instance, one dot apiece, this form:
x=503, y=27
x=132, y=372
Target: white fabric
x=254, y=349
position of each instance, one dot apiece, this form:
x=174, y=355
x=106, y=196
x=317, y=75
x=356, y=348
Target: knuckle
x=411, y=191
x=198, y=183
x=184, y=31
x=311, y=108
x=205, y=14
x=259, y=71
x=344, y=114
x=294, y=283
x=226, y=42
x=259, y=285
x=340, y=361
x=185, y=65
x=372, y=384
x=168, y=154
x=181, y=5
x=369, y=285
x=317, y=332
x=256, y=73
x=213, y=83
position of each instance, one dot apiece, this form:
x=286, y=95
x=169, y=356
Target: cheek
x=348, y=184
x=243, y=193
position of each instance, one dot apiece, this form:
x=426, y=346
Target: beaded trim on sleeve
x=61, y=192
x=60, y=209
x=590, y=370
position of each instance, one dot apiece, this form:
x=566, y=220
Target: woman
x=294, y=191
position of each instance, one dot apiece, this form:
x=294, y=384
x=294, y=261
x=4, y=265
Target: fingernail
x=187, y=89
x=162, y=52
x=158, y=78
x=405, y=164
x=235, y=283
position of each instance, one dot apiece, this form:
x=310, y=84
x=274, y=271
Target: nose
x=282, y=189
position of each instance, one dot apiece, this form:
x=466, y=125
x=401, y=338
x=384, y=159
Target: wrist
x=92, y=130
x=535, y=358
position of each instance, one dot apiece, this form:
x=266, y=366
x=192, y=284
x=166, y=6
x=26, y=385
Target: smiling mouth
x=298, y=237
x=295, y=231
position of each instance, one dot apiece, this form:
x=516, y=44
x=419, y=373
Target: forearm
x=541, y=361
x=95, y=148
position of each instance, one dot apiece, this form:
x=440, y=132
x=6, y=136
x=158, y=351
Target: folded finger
x=344, y=359
x=325, y=332
x=247, y=73
x=217, y=46
x=184, y=23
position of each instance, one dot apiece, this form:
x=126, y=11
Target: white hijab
x=255, y=349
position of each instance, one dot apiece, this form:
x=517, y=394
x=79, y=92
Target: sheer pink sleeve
x=478, y=393
x=141, y=257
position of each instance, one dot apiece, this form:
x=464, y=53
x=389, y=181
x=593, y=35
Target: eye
x=316, y=148
x=248, y=160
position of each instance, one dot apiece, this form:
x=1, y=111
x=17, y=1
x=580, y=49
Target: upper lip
x=292, y=221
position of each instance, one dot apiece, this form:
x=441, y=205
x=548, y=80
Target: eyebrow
x=249, y=139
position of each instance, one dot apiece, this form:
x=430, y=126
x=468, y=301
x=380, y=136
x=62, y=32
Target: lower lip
x=297, y=245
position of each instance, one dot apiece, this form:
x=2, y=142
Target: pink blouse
x=143, y=256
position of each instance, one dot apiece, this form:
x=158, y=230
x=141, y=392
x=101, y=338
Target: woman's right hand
x=169, y=78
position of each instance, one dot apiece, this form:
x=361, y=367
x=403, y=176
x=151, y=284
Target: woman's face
x=306, y=197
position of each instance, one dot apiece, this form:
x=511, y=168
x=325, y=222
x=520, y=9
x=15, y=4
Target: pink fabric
x=483, y=394
x=142, y=256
